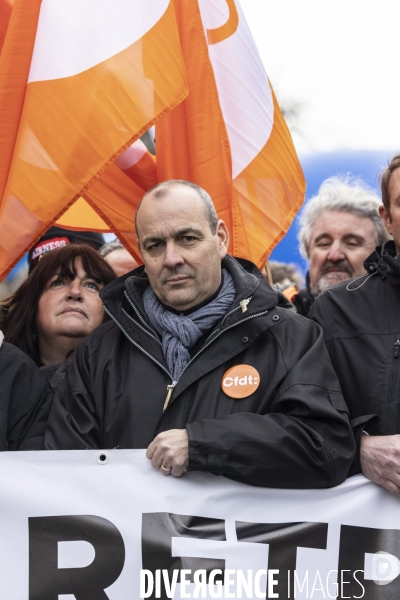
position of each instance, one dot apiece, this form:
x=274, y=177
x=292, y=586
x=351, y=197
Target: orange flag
x=136, y=173
x=110, y=203
x=5, y=14
x=89, y=79
x=139, y=165
x=229, y=135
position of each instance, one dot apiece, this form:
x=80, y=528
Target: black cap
x=56, y=237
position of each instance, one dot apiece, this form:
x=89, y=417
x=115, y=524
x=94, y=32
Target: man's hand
x=380, y=460
x=169, y=452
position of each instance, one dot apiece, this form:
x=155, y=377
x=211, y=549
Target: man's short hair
x=347, y=195
x=385, y=180
x=110, y=247
x=161, y=189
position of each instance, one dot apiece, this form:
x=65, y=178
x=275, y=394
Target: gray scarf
x=179, y=332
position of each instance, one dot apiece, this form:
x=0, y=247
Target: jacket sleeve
x=369, y=422
x=73, y=423
x=305, y=440
x=25, y=400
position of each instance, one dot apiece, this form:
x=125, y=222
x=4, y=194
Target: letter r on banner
x=47, y=581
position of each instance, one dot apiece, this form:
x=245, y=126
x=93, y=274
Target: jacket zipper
x=394, y=370
x=140, y=327
x=243, y=305
x=139, y=315
x=171, y=387
x=168, y=398
x=137, y=345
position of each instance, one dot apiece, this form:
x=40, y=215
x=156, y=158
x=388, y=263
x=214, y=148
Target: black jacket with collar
x=292, y=432
x=360, y=320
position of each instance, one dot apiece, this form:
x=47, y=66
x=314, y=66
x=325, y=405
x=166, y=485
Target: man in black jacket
x=200, y=366
x=360, y=320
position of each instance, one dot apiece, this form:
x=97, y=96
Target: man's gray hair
x=343, y=194
x=110, y=247
x=161, y=189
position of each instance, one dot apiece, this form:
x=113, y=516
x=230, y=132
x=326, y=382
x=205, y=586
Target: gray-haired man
x=339, y=228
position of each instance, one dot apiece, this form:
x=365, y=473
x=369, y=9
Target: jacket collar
x=247, y=279
x=384, y=261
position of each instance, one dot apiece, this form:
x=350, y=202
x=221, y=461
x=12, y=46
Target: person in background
x=286, y=279
x=360, y=320
x=200, y=366
x=285, y=274
x=57, y=237
x=57, y=306
x=118, y=257
x=339, y=228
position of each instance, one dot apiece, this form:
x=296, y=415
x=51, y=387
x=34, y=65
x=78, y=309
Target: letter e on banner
x=240, y=381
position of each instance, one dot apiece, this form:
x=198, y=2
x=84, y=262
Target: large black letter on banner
x=46, y=581
x=354, y=543
x=158, y=529
x=283, y=540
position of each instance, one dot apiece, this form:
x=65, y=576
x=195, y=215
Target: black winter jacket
x=292, y=432
x=25, y=399
x=304, y=300
x=360, y=320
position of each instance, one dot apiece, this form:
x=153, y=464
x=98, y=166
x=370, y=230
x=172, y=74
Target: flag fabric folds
x=115, y=195
x=5, y=14
x=138, y=165
x=81, y=81
x=91, y=78
x=229, y=135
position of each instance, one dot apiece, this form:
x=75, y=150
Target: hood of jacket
x=384, y=260
x=246, y=277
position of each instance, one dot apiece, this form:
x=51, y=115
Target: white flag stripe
x=243, y=88
x=75, y=35
x=131, y=156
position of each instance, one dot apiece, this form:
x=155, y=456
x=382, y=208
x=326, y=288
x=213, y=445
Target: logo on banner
x=214, y=36
x=240, y=381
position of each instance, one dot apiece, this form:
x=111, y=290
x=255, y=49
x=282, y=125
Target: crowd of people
x=205, y=361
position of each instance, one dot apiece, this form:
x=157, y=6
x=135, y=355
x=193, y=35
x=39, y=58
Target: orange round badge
x=240, y=381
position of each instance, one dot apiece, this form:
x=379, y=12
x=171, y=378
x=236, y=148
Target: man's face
x=340, y=242
x=392, y=219
x=182, y=257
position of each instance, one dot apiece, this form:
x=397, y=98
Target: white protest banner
x=93, y=525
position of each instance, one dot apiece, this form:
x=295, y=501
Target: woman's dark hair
x=18, y=312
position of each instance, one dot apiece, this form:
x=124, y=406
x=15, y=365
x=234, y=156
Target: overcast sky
x=339, y=62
